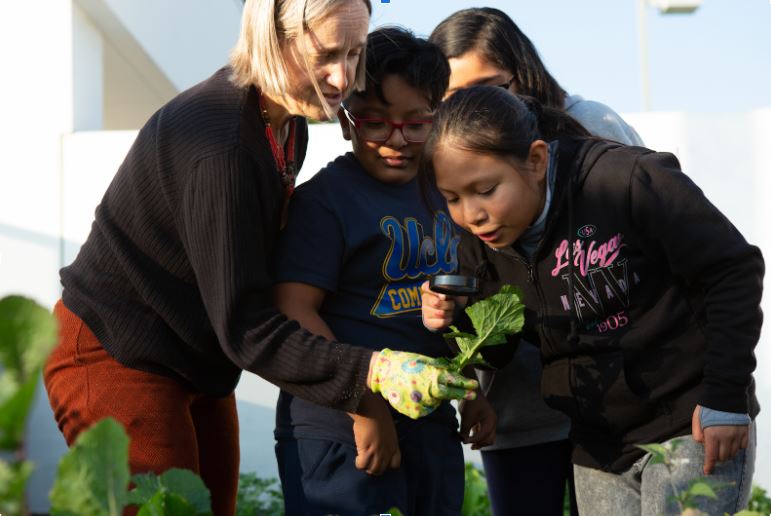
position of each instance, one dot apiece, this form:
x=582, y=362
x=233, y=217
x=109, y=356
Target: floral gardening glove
x=415, y=384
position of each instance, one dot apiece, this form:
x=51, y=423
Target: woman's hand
x=478, y=421
x=721, y=443
x=377, y=445
x=416, y=384
x=438, y=309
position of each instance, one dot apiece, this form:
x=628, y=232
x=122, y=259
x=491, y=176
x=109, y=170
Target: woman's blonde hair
x=266, y=25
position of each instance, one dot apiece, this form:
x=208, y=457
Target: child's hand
x=377, y=446
x=478, y=422
x=438, y=309
x=721, y=443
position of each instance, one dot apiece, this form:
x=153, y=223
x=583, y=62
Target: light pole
x=664, y=7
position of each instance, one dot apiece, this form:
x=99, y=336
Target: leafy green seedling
x=27, y=334
x=493, y=318
x=93, y=475
x=175, y=491
x=259, y=496
x=476, y=500
x=93, y=480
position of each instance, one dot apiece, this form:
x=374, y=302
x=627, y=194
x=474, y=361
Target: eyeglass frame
x=393, y=125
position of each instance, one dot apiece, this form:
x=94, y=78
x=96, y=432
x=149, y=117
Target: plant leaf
x=493, y=319
x=167, y=504
x=259, y=496
x=13, y=480
x=93, y=475
x=475, y=496
x=701, y=488
x=146, y=485
x=190, y=487
x=14, y=411
x=658, y=451
x=502, y=313
x=27, y=335
x=182, y=483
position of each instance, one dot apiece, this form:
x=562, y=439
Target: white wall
x=87, y=73
x=36, y=106
x=162, y=29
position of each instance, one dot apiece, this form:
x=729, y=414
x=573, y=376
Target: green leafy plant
x=493, y=318
x=93, y=476
x=27, y=334
x=93, y=480
x=476, y=501
x=259, y=496
x=178, y=491
x=759, y=501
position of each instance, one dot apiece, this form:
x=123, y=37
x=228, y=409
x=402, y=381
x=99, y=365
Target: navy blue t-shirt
x=369, y=245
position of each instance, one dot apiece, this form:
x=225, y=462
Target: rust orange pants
x=169, y=426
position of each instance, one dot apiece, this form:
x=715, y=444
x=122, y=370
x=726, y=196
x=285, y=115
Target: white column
x=88, y=73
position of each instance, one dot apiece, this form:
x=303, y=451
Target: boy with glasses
x=358, y=243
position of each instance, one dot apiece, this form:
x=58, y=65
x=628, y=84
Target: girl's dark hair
x=490, y=120
x=397, y=51
x=498, y=39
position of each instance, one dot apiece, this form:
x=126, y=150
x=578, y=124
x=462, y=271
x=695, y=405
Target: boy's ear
x=345, y=125
x=538, y=158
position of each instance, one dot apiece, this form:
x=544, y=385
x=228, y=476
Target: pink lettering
x=602, y=255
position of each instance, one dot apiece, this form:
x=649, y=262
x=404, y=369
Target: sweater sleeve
x=229, y=213
x=703, y=248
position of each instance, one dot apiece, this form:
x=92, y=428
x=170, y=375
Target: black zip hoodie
x=644, y=298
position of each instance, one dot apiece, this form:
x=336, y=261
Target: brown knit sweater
x=175, y=276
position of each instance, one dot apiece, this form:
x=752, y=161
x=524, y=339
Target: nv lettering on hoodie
x=600, y=283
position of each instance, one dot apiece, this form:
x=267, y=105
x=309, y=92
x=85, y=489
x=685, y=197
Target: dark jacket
x=644, y=298
x=175, y=277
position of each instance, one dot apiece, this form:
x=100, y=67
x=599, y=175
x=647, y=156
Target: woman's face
x=333, y=47
x=496, y=199
x=471, y=69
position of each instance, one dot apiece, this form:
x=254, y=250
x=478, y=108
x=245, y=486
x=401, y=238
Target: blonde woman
x=168, y=299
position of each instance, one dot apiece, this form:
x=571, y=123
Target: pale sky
x=715, y=59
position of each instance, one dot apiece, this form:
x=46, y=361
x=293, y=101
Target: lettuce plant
x=493, y=319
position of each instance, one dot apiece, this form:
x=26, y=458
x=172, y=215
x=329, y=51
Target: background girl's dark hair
x=490, y=120
x=498, y=39
x=397, y=51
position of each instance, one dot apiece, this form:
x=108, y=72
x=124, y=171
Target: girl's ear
x=538, y=158
x=345, y=125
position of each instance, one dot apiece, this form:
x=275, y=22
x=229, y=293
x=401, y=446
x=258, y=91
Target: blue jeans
x=647, y=489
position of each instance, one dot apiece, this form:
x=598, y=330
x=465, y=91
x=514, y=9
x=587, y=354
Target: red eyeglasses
x=381, y=129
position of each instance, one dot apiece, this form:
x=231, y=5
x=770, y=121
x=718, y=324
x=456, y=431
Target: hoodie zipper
x=532, y=279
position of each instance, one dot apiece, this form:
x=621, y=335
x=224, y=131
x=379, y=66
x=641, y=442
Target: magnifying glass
x=454, y=284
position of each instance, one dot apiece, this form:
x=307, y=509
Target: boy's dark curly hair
x=397, y=51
